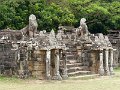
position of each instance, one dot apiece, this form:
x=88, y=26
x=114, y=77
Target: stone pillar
x=21, y=65
x=111, y=61
x=57, y=62
x=106, y=62
x=65, y=75
x=18, y=55
x=48, y=54
x=92, y=62
x=79, y=58
x=27, y=55
x=101, y=69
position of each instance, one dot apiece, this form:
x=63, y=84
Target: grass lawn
x=102, y=83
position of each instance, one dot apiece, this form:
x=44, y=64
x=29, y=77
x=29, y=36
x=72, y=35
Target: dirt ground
x=101, y=83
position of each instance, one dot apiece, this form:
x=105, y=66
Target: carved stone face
x=32, y=25
x=33, y=21
x=32, y=17
x=82, y=21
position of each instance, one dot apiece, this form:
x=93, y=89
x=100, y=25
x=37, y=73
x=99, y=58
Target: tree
x=114, y=9
x=101, y=15
x=53, y=16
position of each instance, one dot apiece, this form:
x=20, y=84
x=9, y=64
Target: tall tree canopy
x=101, y=15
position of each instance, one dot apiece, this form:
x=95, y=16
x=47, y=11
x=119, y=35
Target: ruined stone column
x=57, y=62
x=79, y=58
x=106, y=62
x=65, y=75
x=32, y=25
x=48, y=54
x=101, y=69
x=92, y=61
x=111, y=61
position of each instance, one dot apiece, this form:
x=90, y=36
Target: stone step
x=72, y=49
x=84, y=77
x=71, y=58
x=79, y=73
x=70, y=65
x=71, y=53
x=79, y=68
x=73, y=69
x=78, y=64
x=68, y=60
x=73, y=65
x=61, y=61
x=71, y=61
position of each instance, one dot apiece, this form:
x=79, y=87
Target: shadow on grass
x=12, y=79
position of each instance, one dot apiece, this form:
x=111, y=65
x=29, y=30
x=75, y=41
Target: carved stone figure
x=52, y=38
x=32, y=25
x=82, y=30
x=83, y=26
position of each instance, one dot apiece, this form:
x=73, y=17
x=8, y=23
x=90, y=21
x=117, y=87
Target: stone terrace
x=49, y=55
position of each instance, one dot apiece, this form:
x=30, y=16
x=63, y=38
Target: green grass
x=117, y=69
x=102, y=83
x=4, y=79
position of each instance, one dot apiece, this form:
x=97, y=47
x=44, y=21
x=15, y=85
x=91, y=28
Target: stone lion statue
x=82, y=29
x=32, y=25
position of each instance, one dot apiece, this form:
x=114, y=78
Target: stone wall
x=8, y=59
x=94, y=63
x=114, y=37
x=38, y=54
x=36, y=64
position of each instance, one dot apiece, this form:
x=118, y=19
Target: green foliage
x=99, y=18
x=15, y=14
x=101, y=15
x=114, y=9
x=52, y=16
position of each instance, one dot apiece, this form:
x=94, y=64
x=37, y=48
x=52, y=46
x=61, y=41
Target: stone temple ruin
x=114, y=37
x=49, y=55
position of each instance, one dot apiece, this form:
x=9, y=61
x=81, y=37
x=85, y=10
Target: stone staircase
x=76, y=69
